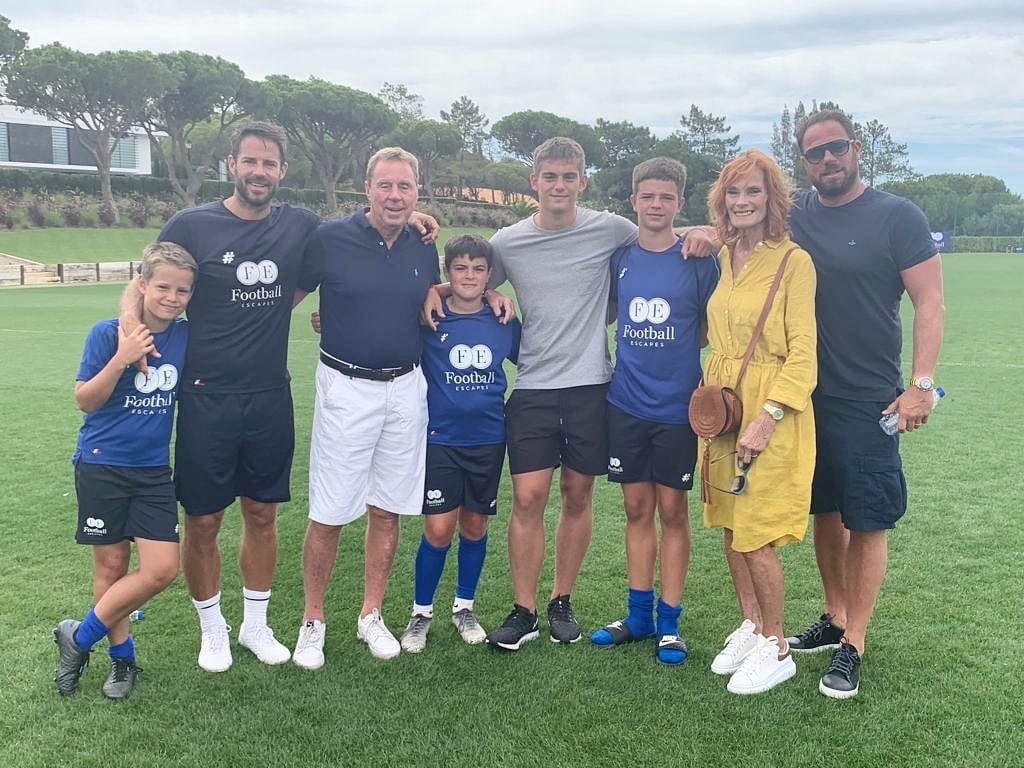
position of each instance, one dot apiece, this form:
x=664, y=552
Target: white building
x=31, y=141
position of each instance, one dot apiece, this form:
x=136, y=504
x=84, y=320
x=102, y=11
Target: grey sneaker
x=414, y=639
x=71, y=662
x=562, y=624
x=121, y=680
x=469, y=627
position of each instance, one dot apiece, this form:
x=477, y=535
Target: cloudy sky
x=946, y=77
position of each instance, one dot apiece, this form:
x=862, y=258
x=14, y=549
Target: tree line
x=189, y=103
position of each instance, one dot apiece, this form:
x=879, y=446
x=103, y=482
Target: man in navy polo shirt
x=368, y=447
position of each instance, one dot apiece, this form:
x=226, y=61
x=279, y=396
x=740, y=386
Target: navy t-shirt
x=462, y=362
x=133, y=428
x=662, y=300
x=370, y=295
x=241, y=305
x=859, y=250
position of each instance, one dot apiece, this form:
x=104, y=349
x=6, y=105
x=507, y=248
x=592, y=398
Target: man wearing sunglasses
x=868, y=247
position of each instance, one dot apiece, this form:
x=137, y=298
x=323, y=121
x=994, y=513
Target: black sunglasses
x=739, y=481
x=838, y=148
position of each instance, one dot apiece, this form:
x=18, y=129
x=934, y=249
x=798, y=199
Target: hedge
x=984, y=243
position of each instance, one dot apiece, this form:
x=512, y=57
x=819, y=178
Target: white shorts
x=368, y=446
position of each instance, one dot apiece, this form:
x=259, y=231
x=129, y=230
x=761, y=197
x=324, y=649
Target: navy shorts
x=119, y=503
x=549, y=427
x=231, y=445
x=858, y=471
x=463, y=476
x=647, y=451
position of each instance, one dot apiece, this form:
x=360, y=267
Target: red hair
x=777, y=186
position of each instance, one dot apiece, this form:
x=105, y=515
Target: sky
x=947, y=78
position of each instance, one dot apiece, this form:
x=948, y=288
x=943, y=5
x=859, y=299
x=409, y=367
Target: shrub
x=106, y=215
x=165, y=209
x=89, y=218
x=137, y=210
x=18, y=219
x=72, y=211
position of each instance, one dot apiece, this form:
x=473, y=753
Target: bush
x=37, y=210
x=984, y=243
x=165, y=209
x=90, y=218
x=137, y=210
x=106, y=215
x=71, y=210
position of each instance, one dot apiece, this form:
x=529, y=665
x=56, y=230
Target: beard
x=839, y=186
x=254, y=202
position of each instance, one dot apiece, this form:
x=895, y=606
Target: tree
x=622, y=141
x=881, y=157
x=520, y=133
x=431, y=141
x=408, y=105
x=12, y=41
x=705, y=134
x=99, y=95
x=470, y=122
x=332, y=125
x=208, y=92
x=511, y=178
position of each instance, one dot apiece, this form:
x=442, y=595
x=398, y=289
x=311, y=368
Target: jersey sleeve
x=311, y=273
x=515, y=330
x=100, y=346
x=799, y=373
x=615, y=264
x=911, y=236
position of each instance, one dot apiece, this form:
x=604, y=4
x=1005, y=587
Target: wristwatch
x=925, y=383
x=774, y=411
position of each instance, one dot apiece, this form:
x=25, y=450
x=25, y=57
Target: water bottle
x=890, y=423
x=137, y=615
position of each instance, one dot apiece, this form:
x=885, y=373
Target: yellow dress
x=774, y=507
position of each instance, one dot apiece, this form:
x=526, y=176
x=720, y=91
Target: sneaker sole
x=790, y=672
x=554, y=639
x=413, y=649
x=832, y=693
x=264, y=660
x=519, y=643
x=816, y=649
x=382, y=656
x=301, y=665
x=207, y=668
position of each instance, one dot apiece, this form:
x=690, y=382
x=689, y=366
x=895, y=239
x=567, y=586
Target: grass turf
x=942, y=675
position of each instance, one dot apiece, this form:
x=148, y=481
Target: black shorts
x=231, y=445
x=463, y=476
x=858, y=471
x=118, y=503
x=644, y=451
x=548, y=427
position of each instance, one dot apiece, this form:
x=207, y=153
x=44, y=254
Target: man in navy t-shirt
x=462, y=362
x=661, y=309
x=368, y=444
x=867, y=247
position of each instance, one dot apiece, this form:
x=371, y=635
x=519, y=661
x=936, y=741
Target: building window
x=5, y=151
x=59, y=137
x=123, y=153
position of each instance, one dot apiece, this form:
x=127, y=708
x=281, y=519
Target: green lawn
x=942, y=678
x=58, y=246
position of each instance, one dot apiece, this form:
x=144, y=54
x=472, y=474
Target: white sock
x=255, y=607
x=461, y=604
x=423, y=610
x=210, y=616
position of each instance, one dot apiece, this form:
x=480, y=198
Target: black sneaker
x=121, y=680
x=562, y=624
x=822, y=635
x=71, y=662
x=518, y=628
x=841, y=677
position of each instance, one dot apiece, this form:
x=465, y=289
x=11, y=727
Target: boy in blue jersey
x=462, y=362
x=122, y=473
x=661, y=305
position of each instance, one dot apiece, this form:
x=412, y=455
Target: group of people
x=800, y=291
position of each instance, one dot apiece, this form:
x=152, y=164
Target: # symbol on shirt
x=444, y=336
x=852, y=243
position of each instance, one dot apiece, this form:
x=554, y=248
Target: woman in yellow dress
x=761, y=476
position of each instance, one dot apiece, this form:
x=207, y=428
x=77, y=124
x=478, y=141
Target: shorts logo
x=249, y=273
x=687, y=477
x=435, y=498
x=164, y=378
x=95, y=522
x=615, y=465
x=655, y=311
x=478, y=356
x=95, y=526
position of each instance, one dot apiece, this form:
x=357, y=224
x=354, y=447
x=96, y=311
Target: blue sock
x=668, y=618
x=471, y=564
x=639, y=619
x=125, y=650
x=429, y=565
x=90, y=631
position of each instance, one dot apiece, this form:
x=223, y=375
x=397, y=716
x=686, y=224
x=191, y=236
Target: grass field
x=942, y=678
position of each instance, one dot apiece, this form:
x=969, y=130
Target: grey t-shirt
x=561, y=278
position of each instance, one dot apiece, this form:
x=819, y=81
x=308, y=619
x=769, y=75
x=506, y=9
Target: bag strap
x=755, y=337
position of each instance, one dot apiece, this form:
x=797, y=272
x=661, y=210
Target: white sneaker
x=414, y=639
x=215, y=649
x=737, y=646
x=309, y=649
x=260, y=639
x=372, y=630
x=762, y=670
x=469, y=627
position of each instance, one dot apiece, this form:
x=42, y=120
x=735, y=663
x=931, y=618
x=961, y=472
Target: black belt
x=357, y=372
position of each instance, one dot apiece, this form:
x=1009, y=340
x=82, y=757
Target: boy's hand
x=134, y=345
x=427, y=226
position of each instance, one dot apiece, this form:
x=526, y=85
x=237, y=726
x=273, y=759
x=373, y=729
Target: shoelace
x=418, y=625
x=562, y=609
x=842, y=661
x=734, y=641
x=466, y=620
x=816, y=629
x=220, y=637
x=121, y=668
x=312, y=634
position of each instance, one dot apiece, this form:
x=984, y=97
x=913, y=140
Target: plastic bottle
x=890, y=423
x=137, y=615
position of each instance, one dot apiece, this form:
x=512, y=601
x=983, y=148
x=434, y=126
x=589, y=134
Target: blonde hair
x=165, y=254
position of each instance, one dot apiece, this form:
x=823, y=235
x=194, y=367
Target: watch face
x=924, y=383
